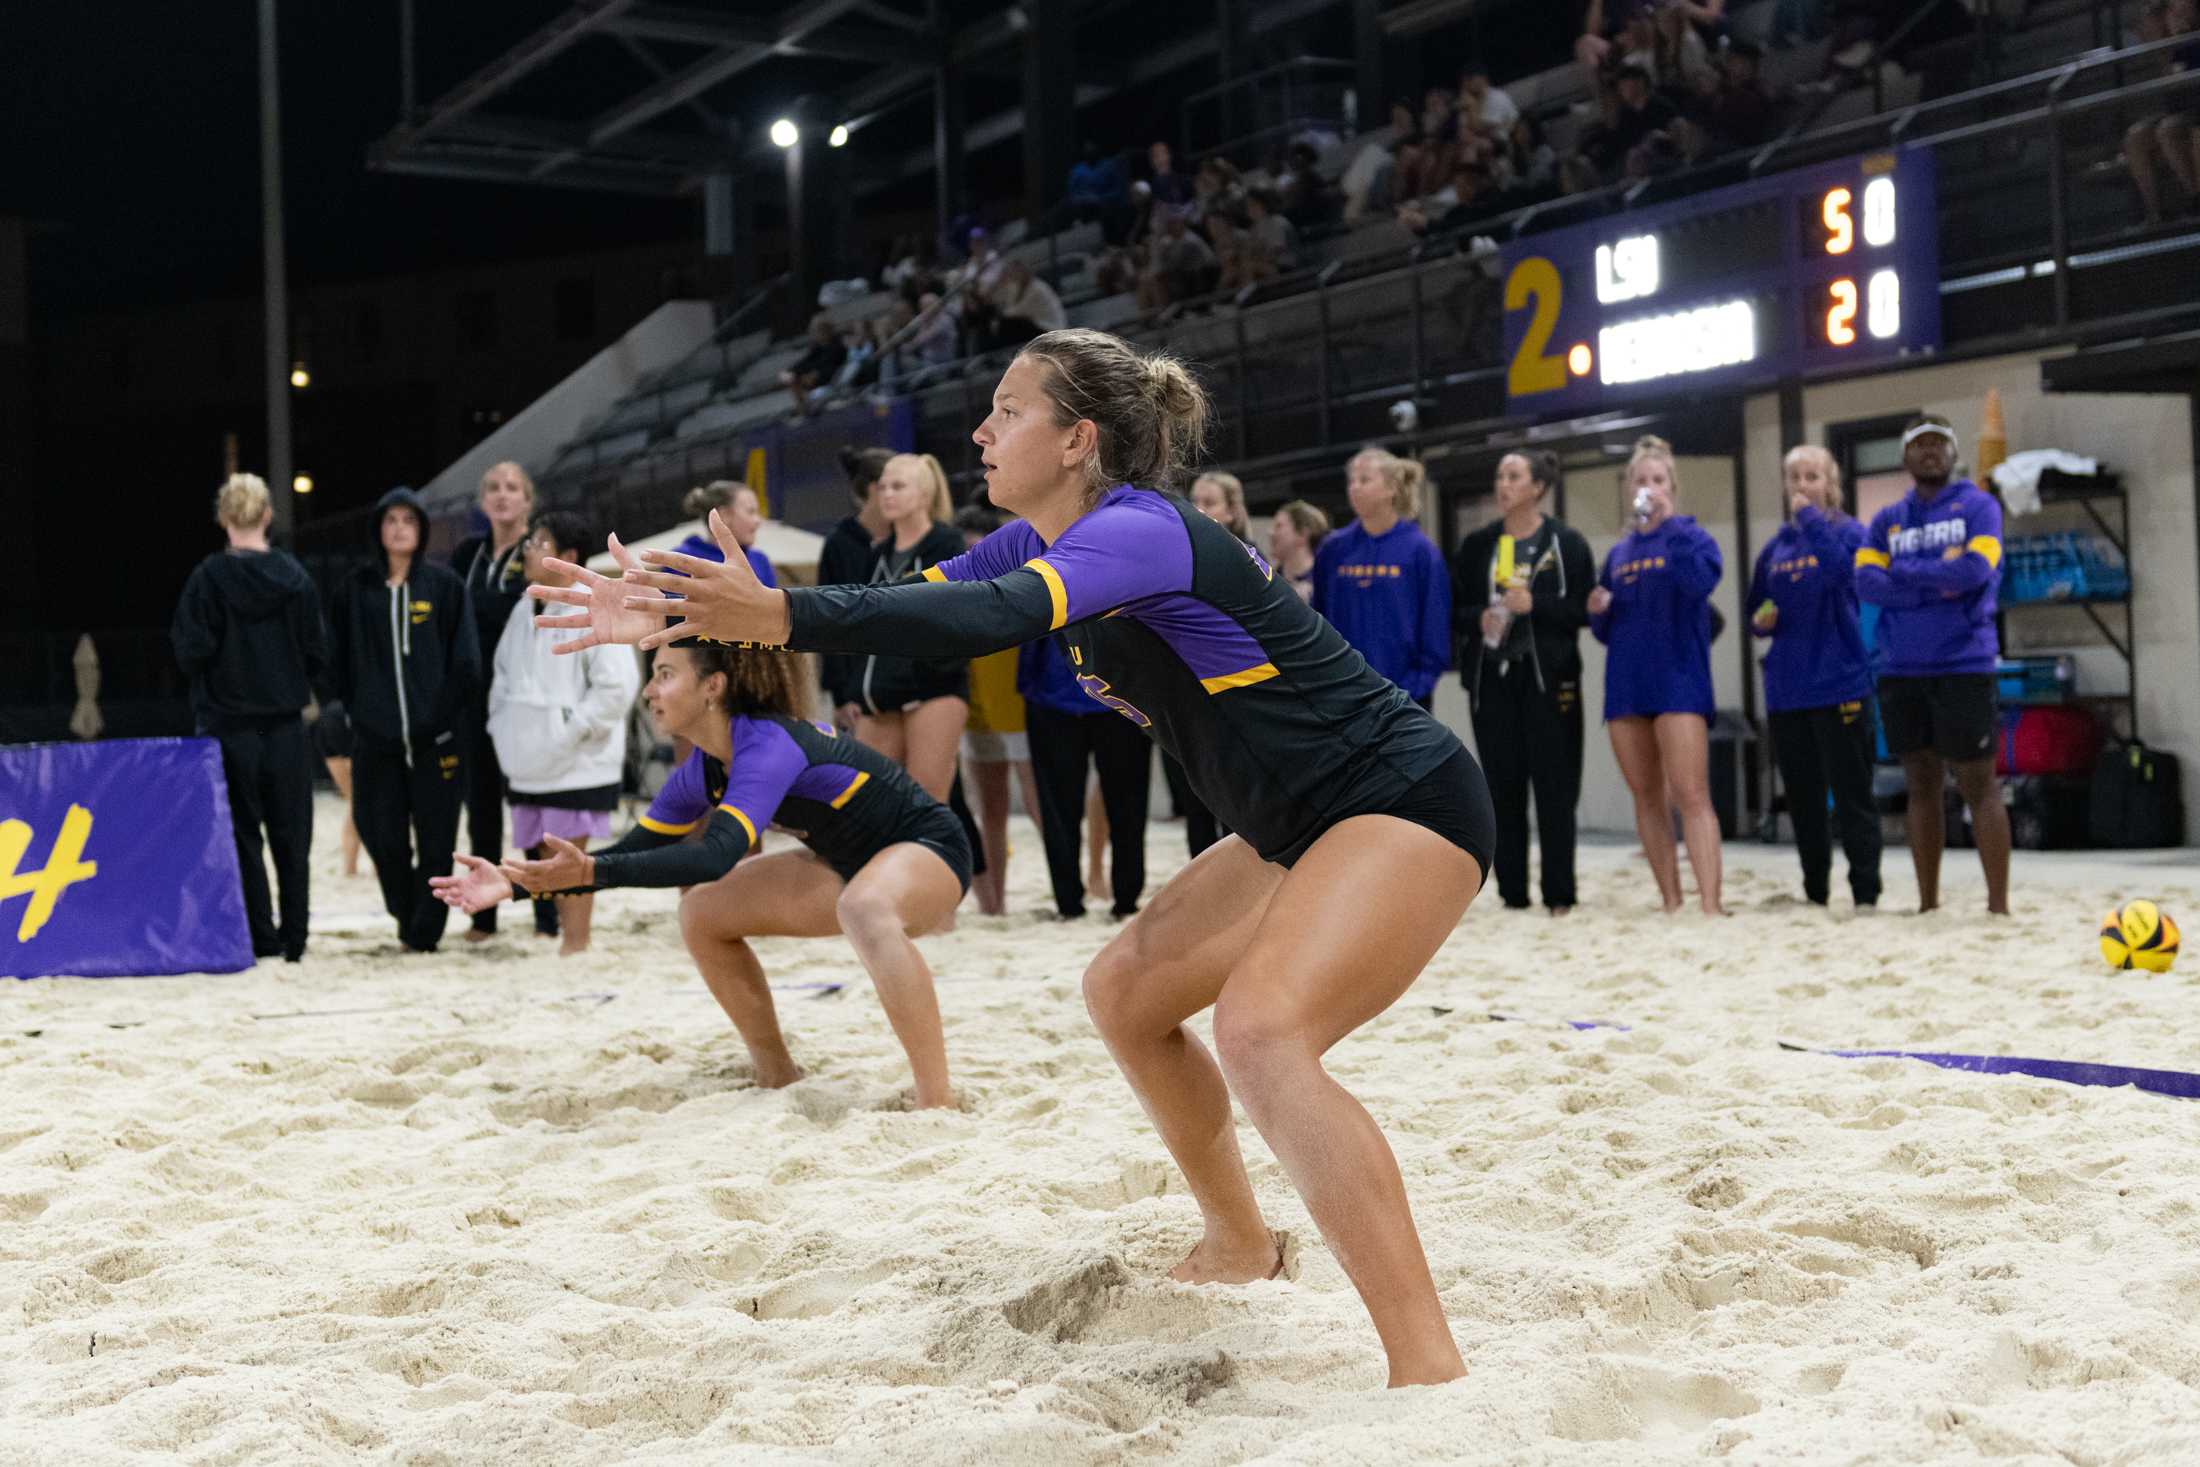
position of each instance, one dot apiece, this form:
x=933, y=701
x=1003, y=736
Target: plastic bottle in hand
x=1645, y=504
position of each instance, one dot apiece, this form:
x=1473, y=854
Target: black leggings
x=1822, y=750
x=485, y=812
x=402, y=812
x=270, y=775
x=1063, y=747
x=1530, y=737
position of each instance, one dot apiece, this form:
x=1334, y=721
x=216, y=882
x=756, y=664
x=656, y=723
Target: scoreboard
x=1832, y=266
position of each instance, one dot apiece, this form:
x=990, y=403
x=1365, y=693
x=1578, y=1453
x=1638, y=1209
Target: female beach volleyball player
x=1363, y=826
x=885, y=860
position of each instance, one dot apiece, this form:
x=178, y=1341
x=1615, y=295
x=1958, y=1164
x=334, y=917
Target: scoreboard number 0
x=1533, y=369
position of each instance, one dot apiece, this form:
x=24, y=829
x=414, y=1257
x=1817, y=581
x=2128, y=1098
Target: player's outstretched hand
x=613, y=612
x=724, y=600
x=566, y=867
x=475, y=887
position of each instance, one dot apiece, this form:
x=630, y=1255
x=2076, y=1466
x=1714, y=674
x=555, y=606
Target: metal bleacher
x=2036, y=236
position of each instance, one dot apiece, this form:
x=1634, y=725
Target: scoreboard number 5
x=1534, y=369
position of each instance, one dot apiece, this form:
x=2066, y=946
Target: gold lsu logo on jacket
x=421, y=611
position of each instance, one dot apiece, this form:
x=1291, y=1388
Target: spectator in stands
x=815, y=366
x=1818, y=680
x=248, y=634
x=2168, y=137
x=1734, y=111
x=1649, y=609
x=743, y=513
x=1383, y=583
x=559, y=724
x=1234, y=260
x=845, y=559
x=1182, y=268
x=1520, y=589
x=1306, y=201
x=1295, y=535
x=1025, y=306
x=1098, y=193
x=995, y=743
x=1168, y=186
x=1468, y=197
x=1216, y=190
x=1638, y=138
x=934, y=341
x=1071, y=733
x=1485, y=109
x=1272, y=239
x=405, y=661
x=1680, y=64
x=913, y=710
x=1527, y=168
x=1370, y=183
x=491, y=565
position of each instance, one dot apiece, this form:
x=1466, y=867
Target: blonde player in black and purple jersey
x=885, y=861
x=1363, y=827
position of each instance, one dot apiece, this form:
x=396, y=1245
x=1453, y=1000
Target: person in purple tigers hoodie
x=1649, y=610
x=1818, y=681
x=1931, y=562
x=1381, y=582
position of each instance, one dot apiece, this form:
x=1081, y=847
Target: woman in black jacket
x=1520, y=591
x=406, y=662
x=491, y=566
x=248, y=633
x=845, y=559
x=912, y=710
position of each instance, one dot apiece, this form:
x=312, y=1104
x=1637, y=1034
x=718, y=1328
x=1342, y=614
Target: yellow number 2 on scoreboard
x=1533, y=369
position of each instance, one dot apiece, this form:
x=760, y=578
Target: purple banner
x=117, y=861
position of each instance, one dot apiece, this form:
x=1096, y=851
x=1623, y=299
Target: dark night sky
x=134, y=133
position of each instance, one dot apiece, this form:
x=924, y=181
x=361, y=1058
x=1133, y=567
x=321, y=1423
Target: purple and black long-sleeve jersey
x=1656, y=631
x=839, y=798
x=1808, y=572
x=1932, y=566
x=1182, y=628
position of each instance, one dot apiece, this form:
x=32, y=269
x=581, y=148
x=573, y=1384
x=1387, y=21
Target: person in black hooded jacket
x=490, y=565
x=844, y=559
x=1520, y=659
x=407, y=663
x=248, y=633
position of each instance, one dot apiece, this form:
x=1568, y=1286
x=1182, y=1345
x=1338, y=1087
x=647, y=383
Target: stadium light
x=838, y=138
x=301, y=484
x=300, y=378
x=785, y=133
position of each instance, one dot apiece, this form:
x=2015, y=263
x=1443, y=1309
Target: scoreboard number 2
x=1533, y=368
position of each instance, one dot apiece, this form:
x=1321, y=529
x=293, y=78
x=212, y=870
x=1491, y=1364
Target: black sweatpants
x=1531, y=738
x=269, y=769
x=1830, y=749
x=1063, y=747
x=408, y=821
x=485, y=807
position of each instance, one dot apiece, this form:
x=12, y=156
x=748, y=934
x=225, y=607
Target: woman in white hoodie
x=559, y=725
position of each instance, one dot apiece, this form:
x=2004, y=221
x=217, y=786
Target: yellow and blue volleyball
x=2139, y=934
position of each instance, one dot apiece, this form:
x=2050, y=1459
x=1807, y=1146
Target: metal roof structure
x=636, y=97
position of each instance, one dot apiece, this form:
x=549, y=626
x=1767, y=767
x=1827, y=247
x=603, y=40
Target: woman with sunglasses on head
x=1363, y=827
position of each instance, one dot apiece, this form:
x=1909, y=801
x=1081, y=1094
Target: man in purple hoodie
x=1931, y=562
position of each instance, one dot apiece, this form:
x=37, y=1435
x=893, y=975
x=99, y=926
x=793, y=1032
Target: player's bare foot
x=1216, y=1262
x=475, y=934
x=569, y=948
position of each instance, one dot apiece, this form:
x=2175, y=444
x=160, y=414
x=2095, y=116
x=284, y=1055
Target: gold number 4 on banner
x=63, y=869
